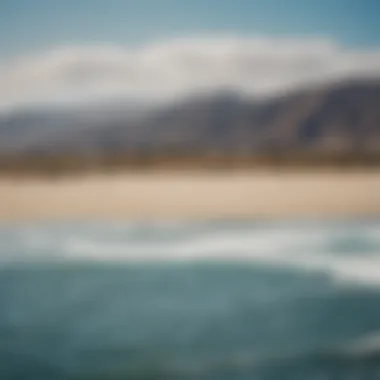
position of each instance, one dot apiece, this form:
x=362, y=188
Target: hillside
x=335, y=121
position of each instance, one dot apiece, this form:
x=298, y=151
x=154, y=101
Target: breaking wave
x=217, y=300
x=345, y=250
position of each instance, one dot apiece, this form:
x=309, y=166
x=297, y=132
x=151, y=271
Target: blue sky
x=29, y=25
x=80, y=50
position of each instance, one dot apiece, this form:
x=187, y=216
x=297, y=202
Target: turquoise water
x=175, y=300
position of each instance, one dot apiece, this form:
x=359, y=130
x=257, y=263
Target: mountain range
x=340, y=119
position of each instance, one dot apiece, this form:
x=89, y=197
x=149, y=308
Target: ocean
x=213, y=300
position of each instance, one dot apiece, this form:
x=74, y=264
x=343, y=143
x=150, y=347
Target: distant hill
x=342, y=119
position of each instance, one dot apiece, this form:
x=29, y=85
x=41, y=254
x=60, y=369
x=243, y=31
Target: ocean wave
x=346, y=251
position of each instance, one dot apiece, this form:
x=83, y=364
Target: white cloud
x=260, y=66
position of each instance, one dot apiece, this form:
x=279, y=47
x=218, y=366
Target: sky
x=83, y=48
x=26, y=25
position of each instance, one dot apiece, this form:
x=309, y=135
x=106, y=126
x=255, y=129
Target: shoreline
x=192, y=195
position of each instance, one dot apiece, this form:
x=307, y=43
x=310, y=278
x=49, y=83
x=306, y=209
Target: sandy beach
x=165, y=195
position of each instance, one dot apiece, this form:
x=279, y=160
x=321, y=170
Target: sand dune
x=192, y=195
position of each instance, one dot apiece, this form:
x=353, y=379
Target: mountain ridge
x=336, y=119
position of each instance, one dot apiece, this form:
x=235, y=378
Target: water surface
x=180, y=300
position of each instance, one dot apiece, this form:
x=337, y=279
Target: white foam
x=305, y=247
